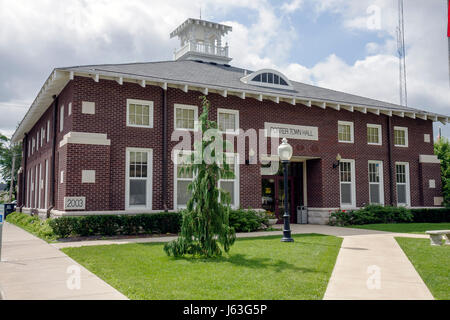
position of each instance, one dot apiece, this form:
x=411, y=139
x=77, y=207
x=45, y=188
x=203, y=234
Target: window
x=70, y=109
x=345, y=131
x=139, y=113
x=29, y=148
x=48, y=130
x=61, y=119
x=186, y=117
x=183, y=178
x=400, y=137
x=138, y=178
x=37, y=141
x=268, y=77
x=347, y=181
x=374, y=134
x=232, y=185
x=402, y=177
x=42, y=136
x=228, y=120
x=376, y=190
x=33, y=143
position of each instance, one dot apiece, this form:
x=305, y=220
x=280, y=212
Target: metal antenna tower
x=401, y=55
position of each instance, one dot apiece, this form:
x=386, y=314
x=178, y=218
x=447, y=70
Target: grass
x=255, y=268
x=32, y=224
x=432, y=263
x=420, y=228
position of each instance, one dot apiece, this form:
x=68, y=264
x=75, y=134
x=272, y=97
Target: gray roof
x=226, y=77
x=198, y=75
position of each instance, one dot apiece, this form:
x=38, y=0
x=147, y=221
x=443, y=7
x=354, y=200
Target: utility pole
x=401, y=51
x=13, y=167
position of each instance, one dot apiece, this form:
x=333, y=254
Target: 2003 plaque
x=74, y=203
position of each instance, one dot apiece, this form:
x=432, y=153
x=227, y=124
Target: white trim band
x=99, y=139
x=428, y=158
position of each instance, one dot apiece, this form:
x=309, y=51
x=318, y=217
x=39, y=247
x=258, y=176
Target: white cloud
x=292, y=6
x=36, y=36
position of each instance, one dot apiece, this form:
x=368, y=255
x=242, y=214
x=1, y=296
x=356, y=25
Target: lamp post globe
x=285, y=153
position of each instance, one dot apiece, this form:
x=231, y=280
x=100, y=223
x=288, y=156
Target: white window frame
x=40, y=185
x=150, y=105
x=185, y=106
x=61, y=119
x=176, y=154
x=29, y=148
x=36, y=188
x=42, y=136
x=236, y=180
x=408, y=184
x=37, y=141
x=236, y=120
x=405, y=129
x=48, y=130
x=70, y=109
x=381, y=183
x=353, y=185
x=149, y=204
x=352, y=131
x=380, y=134
x=33, y=143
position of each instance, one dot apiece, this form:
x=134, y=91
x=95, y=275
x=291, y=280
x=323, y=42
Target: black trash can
x=9, y=208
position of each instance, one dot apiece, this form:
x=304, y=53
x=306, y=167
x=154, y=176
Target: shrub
x=247, y=220
x=32, y=224
x=371, y=214
x=431, y=215
x=110, y=225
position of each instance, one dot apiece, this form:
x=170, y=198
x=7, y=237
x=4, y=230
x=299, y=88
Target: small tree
x=442, y=150
x=205, y=227
x=7, y=153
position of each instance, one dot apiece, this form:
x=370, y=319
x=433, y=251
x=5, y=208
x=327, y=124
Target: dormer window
x=268, y=78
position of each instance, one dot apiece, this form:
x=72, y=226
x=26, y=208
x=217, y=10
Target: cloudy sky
x=347, y=45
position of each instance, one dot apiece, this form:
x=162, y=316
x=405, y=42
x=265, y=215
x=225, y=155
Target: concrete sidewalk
x=31, y=269
x=374, y=267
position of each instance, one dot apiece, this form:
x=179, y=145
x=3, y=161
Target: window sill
x=138, y=126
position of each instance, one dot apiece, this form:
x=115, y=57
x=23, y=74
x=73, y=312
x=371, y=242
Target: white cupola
x=202, y=40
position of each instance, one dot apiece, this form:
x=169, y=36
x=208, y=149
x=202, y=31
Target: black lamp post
x=285, y=153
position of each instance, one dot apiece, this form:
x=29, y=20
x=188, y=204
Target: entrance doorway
x=273, y=191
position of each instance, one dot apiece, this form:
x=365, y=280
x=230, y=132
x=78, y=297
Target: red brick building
x=99, y=139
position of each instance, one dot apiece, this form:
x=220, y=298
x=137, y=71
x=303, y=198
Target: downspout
x=391, y=168
x=53, y=161
x=165, y=151
x=24, y=176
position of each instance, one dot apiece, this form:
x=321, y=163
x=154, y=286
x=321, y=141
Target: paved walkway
x=374, y=267
x=32, y=269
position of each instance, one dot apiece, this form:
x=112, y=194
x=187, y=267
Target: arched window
x=268, y=78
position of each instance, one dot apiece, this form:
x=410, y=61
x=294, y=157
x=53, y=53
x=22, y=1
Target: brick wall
x=108, y=193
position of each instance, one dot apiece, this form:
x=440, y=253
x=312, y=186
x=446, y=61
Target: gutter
x=24, y=176
x=391, y=168
x=52, y=163
x=165, y=150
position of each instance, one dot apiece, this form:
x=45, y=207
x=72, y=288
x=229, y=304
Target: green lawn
x=256, y=268
x=405, y=227
x=432, y=263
